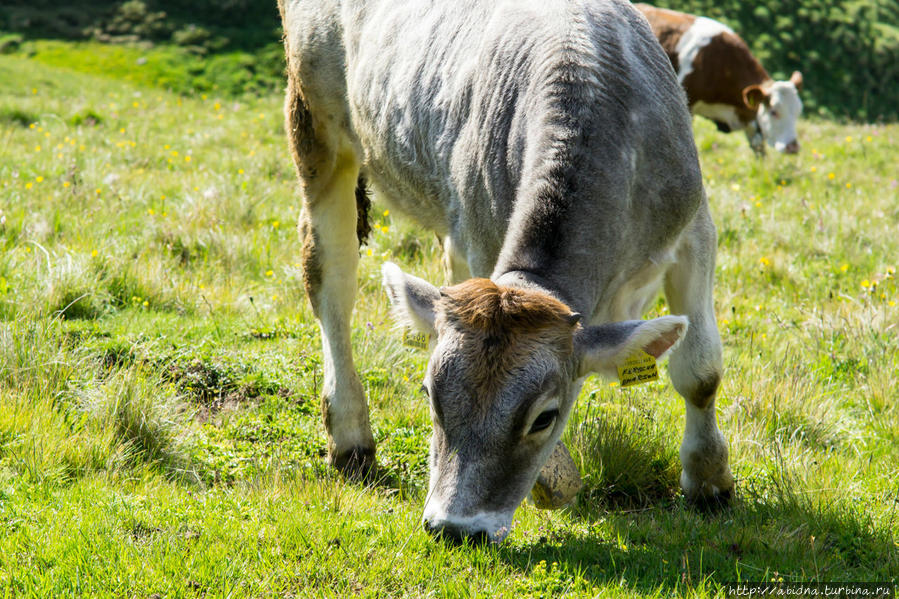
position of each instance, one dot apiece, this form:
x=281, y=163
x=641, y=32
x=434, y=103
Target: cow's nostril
x=454, y=534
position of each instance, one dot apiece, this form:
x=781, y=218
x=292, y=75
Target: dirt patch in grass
x=215, y=386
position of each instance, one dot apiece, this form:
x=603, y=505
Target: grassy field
x=159, y=374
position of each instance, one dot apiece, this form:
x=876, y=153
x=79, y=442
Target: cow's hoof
x=711, y=502
x=357, y=463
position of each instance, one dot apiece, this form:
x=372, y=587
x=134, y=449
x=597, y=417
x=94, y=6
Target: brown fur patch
x=482, y=305
x=721, y=71
x=312, y=270
x=502, y=327
x=301, y=132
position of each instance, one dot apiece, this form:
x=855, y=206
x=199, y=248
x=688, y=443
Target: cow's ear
x=796, y=79
x=412, y=299
x=603, y=348
x=753, y=96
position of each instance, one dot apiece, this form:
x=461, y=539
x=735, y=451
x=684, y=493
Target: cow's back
x=459, y=110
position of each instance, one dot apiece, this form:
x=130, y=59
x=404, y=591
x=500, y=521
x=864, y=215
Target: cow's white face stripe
x=695, y=39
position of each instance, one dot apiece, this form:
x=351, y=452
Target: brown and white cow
x=725, y=82
x=548, y=144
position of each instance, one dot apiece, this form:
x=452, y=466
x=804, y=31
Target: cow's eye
x=774, y=114
x=544, y=421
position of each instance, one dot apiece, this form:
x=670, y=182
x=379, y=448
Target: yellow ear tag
x=639, y=368
x=415, y=339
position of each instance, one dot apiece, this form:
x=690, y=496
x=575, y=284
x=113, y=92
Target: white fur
x=724, y=113
x=496, y=524
x=780, y=130
x=695, y=39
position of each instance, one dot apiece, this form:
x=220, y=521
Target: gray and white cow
x=725, y=82
x=548, y=144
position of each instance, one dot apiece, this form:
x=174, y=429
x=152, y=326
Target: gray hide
x=549, y=145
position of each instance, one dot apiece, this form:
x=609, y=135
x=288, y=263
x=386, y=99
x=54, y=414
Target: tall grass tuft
x=147, y=417
x=625, y=456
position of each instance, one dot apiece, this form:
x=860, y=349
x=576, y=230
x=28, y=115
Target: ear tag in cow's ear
x=416, y=339
x=639, y=368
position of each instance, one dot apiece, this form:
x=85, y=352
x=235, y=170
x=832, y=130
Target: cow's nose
x=454, y=534
x=792, y=147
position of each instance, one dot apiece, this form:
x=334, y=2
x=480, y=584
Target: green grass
x=166, y=66
x=160, y=369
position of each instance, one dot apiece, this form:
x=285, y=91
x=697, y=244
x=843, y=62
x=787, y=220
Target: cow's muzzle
x=792, y=147
x=455, y=534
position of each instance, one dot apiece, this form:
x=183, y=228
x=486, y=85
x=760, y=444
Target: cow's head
x=778, y=108
x=504, y=373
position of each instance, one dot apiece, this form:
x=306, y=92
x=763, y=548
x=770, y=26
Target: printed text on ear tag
x=639, y=368
x=415, y=339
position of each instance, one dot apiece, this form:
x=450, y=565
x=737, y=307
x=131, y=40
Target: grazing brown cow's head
x=504, y=372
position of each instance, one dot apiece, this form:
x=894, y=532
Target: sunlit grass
x=160, y=371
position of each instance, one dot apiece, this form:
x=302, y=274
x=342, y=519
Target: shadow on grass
x=777, y=534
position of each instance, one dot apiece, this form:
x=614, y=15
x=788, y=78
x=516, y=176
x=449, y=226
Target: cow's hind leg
x=328, y=169
x=696, y=366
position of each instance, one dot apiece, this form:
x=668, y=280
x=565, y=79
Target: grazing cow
x=548, y=144
x=725, y=82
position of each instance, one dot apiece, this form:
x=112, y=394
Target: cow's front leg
x=328, y=170
x=756, y=139
x=695, y=365
x=330, y=256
